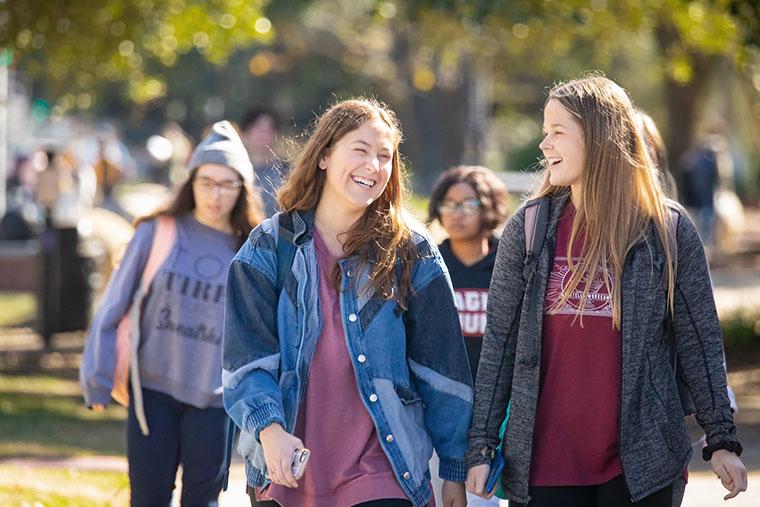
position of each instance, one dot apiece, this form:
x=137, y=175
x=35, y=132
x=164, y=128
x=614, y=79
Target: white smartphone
x=300, y=459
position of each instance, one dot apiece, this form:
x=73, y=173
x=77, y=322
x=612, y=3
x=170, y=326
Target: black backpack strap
x=286, y=251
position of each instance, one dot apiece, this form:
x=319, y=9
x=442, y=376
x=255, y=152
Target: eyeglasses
x=207, y=185
x=467, y=207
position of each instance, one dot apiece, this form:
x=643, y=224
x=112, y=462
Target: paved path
x=704, y=489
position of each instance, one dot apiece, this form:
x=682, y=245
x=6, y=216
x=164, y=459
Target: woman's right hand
x=279, y=446
x=476, y=480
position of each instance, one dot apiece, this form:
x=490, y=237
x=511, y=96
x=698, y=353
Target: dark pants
x=610, y=494
x=179, y=434
x=389, y=502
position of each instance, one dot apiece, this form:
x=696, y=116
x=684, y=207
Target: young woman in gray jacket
x=579, y=335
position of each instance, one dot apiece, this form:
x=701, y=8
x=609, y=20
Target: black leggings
x=610, y=494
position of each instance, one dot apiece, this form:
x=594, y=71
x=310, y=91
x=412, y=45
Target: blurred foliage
x=75, y=47
x=741, y=327
x=455, y=70
x=19, y=308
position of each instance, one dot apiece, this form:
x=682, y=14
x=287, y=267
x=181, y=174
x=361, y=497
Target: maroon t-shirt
x=347, y=464
x=578, y=415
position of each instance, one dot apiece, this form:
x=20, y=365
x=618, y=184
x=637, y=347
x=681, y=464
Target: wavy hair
x=381, y=234
x=621, y=195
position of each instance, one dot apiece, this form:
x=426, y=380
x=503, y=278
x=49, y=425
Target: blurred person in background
x=176, y=414
x=259, y=132
x=658, y=154
x=470, y=203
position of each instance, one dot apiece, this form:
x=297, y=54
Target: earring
x=322, y=164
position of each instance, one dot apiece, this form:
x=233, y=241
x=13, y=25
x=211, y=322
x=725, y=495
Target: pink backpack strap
x=128, y=333
x=163, y=240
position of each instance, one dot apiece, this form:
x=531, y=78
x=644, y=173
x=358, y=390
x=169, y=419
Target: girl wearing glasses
x=581, y=349
x=176, y=415
x=470, y=202
x=341, y=333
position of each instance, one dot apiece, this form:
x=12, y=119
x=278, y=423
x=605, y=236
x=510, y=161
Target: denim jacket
x=411, y=367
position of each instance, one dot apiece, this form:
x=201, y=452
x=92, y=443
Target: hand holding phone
x=497, y=467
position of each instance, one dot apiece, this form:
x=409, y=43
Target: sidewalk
x=704, y=489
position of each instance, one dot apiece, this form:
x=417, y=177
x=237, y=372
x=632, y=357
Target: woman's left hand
x=453, y=494
x=731, y=472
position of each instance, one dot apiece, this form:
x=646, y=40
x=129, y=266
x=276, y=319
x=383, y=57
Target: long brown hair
x=245, y=215
x=620, y=198
x=381, y=234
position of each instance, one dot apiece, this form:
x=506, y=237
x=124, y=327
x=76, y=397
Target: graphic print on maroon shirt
x=575, y=441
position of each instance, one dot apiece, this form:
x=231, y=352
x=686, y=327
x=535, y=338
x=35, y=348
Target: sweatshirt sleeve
x=497, y=359
x=97, y=369
x=699, y=339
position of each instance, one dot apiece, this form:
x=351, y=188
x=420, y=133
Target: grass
x=22, y=486
x=19, y=308
x=45, y=416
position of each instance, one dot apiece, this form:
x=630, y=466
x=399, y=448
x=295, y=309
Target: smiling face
x=358, y=167
x=563, y=145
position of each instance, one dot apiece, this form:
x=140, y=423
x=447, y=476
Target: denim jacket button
x=407, y=476
x=352, y=317
x=389, y=438
x=361, y=358
x=349, y=273
x=373, y=397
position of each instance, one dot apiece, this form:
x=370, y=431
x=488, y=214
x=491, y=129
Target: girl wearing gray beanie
x=155, y=342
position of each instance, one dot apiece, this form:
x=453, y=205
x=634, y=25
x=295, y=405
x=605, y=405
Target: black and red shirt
x=471, y=285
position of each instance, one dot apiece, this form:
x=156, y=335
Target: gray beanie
x=223, y=146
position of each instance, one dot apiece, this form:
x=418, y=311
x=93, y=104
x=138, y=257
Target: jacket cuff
x=454, y=470
x=97, y=396
x=729, y=445
x=262, y=417
x=478, y=455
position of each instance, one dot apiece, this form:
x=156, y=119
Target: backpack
x=536, y=222
x=286, y=252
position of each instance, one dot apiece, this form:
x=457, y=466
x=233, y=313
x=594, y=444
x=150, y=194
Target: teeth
x=363, y=181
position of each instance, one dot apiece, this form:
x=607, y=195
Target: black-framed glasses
x=467, y=207
x=228, y=187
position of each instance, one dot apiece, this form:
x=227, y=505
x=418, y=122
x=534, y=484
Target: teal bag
x=499, y=491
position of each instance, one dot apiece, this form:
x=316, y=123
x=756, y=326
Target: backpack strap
x=536, y=222
x=163, y=241
x=282, y=225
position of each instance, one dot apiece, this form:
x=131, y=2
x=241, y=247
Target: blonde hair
x=381, y=234
x=620, y=194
